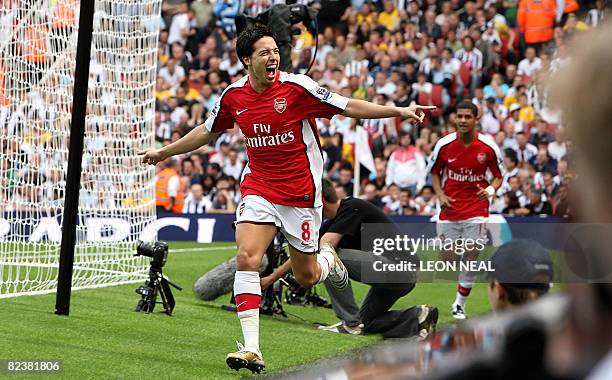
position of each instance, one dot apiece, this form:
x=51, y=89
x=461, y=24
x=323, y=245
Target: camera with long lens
x=281, y=18
x=157, y=284
x=157, y=250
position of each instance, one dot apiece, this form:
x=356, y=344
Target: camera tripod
x=156, y=284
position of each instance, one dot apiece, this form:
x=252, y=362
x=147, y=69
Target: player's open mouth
x=271, y=72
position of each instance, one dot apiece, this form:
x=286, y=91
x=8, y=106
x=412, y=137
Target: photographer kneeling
x=344, y=231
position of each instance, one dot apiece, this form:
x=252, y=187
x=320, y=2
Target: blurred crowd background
x=499, y=54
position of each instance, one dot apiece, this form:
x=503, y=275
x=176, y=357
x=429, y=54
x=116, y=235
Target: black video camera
x=281, y=18
x=158, y=251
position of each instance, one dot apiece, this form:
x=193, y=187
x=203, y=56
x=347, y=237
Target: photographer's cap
x=522, y=263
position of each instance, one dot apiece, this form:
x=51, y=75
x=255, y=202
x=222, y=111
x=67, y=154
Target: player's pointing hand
x=151, y=156
x=415, y=112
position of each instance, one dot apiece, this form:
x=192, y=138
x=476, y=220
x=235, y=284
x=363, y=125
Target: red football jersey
x=285, y=159
x=463, y=169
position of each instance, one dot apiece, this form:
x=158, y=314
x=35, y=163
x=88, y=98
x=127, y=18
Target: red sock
x=247, y=301
x=463, y=290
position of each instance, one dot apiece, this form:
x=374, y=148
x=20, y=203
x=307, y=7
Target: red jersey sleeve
x=436, y=162
x=496, y=161
x=220, y=118
x=496, y=168
x=317, y=101
x=437, y=165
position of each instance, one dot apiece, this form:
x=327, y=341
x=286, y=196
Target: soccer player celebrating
x=281, y=185
x=459, y=166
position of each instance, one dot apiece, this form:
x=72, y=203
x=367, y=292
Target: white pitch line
x=123, y=254
x=47, y=291
x=204, y=249
x=76, y=267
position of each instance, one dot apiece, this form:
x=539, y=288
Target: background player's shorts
x=473, y=229
x=300, y=226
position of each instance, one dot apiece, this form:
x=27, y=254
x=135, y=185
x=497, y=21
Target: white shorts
x=300, y=226
x=473, y=229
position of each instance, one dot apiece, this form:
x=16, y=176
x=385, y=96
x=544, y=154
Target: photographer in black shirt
x=343, y=230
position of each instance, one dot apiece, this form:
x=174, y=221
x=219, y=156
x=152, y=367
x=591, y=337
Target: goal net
x=38, y=40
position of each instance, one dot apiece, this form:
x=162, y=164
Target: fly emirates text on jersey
x=264, y=138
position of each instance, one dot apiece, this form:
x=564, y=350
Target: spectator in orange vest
x=64, y=22
x=536, y=20
x=35, y=44
x=64, y=14
x=168, y=193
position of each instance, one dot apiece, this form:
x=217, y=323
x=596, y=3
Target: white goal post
x=38, y=41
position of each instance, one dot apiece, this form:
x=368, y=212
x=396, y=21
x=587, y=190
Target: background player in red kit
x=459, y=166
x=281, y=185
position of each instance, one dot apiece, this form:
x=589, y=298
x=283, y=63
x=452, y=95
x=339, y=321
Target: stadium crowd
x=499, y=54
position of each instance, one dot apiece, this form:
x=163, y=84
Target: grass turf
x=103, y=337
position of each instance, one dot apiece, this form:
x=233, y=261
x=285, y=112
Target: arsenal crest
x=241, y=209
x=280, y=105
x=482, y=158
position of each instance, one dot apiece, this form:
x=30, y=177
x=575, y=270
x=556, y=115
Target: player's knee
x=246, y=260
x=307, y=279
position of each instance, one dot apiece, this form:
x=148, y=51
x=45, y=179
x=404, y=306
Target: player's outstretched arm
x=276, y=275
x=361, y=109
x=193, y=140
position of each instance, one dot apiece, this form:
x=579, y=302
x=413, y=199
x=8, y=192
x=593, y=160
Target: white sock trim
x=247, y=282
x=460, y=299
x=325, y=259
x=249, y=321
x=466, y=284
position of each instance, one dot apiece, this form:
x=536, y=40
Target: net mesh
x=38, y=42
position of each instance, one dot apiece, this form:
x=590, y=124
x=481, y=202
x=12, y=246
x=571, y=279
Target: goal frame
x=75, y=155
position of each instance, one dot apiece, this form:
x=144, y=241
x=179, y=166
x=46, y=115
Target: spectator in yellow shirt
x=365, y=15
x=526, y=113
x=513, y=96
x=161, y=91
x=389, y=18
x=573, y=24
x=305, y=39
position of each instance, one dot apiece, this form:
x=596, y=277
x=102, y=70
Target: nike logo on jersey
x=241, y=111
x=451, y=160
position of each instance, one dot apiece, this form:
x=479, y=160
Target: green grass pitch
x=104, y=338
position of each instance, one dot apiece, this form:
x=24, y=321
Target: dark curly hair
x=466, y=104
x=248, y=37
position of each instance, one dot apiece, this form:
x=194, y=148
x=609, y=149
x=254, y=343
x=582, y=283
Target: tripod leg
x=279, y=306
x=164, y=303
x=167, y=296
